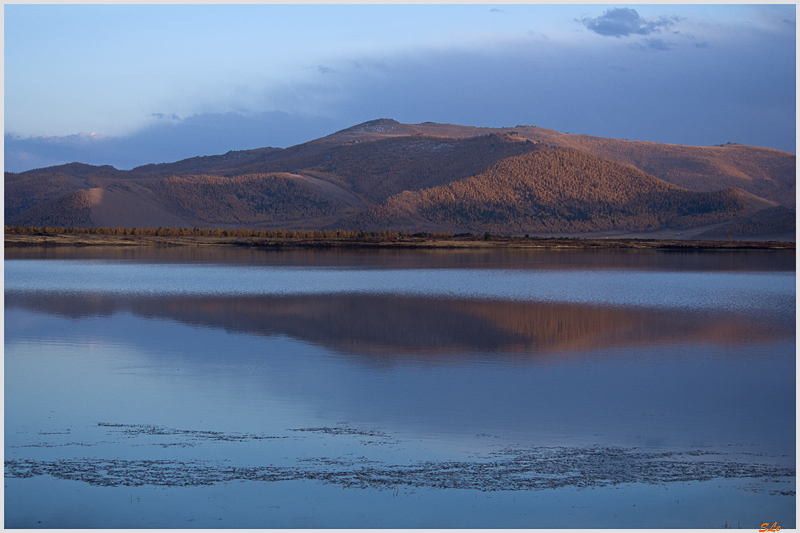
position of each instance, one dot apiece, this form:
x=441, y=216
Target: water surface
x=399, y=389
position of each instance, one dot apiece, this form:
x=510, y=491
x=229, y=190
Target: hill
x=778, y=223
x=383, y=174
x=554, y=190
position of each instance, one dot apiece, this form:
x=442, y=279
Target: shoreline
x=57, y=240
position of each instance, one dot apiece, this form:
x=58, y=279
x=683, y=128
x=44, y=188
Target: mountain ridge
x=373, y=172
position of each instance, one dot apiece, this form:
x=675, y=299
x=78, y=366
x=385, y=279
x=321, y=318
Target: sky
x=127, y=85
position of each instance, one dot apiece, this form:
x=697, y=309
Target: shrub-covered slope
x=245, y=200
x=555, y=190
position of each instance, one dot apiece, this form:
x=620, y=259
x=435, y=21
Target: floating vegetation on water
x=535, y=469
x=510, y=469
x=136, y=430
x=344, y=429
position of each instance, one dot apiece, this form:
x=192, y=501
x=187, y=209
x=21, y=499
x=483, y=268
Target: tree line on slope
x=247, y=199
x=560, y=190
x=376, y=170
x=23, y=191
x=771, y=221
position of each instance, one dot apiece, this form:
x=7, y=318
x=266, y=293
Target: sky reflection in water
x=396, y=364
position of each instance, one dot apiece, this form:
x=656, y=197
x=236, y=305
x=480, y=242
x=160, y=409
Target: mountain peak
x=381, y=125
x=75, y=168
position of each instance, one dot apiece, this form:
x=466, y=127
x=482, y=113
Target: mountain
x=423, y=177
x=555, y=190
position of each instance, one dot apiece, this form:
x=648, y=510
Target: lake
x=224, y=388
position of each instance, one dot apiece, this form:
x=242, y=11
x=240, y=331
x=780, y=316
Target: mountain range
x=433, y=177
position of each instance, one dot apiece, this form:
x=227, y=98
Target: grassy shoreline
x=86, y=239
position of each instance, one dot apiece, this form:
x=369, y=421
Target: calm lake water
x=216, y=388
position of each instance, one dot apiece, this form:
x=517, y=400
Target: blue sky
x=132, y=84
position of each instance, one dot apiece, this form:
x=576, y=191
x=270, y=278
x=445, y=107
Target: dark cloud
x=167, y=141
x=744, y=88
x=495, y=10
x=326, y=70
x=738, y=88
x=624, y=21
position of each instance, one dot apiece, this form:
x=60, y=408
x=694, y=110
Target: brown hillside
x=25, y=191
x=556, y=190
x=72, y=169
x=72, y=209
x=764, y=172
x=379, y=169
x=128, y=203
x=247, y=200
x=777, y=221
x=384, y=174
x=234, y=158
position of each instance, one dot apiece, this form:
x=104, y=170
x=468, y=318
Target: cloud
x=326, y=70
x=168, y=140
x=624, y=21
x=170, y=116
x=657, y=44
x=651, y=44
x=740, y=87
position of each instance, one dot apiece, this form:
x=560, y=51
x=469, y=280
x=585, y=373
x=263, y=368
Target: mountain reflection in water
x=391, y=328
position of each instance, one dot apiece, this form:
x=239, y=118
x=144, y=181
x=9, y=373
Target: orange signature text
x=765, y=527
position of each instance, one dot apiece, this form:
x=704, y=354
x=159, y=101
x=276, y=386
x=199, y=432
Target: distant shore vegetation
x=236, y=233
x=16, y=236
